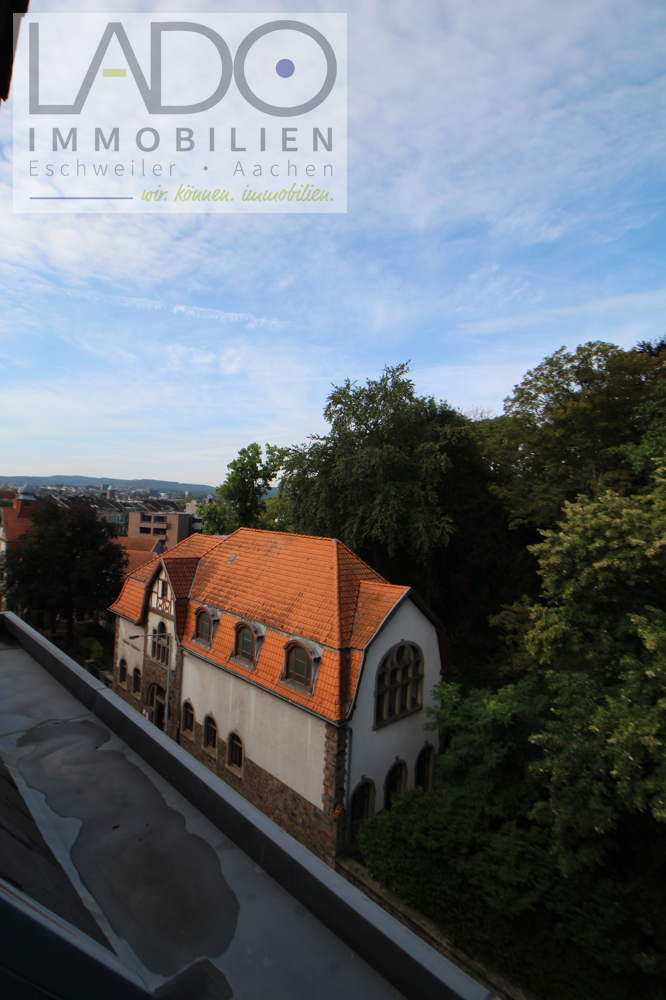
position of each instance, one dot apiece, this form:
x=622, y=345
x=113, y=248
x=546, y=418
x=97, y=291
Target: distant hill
x=161, y=485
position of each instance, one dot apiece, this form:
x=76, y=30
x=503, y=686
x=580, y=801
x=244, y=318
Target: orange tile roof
x=375, y=603
x=181, y=573
x=303, y=586
x=13, y=526
x=130, y=602
x=300, y=584
x=137, y=559
x=136, y=544
x=195, y=546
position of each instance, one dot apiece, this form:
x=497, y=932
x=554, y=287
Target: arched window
x=399, y=688
x=298, y=666
x=203, y=629
x=156, y=705
x=235, y=751
x=425, y=765
x=210, y=732
x=244, y=643
x=136, y=681
x=361, y=806
x=160, y=650
x=396, y=783
x=122, y=672
x=188, y=717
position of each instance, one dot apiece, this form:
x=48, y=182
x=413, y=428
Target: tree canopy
x=578, y=423
x=241, y=497
x=65, y=565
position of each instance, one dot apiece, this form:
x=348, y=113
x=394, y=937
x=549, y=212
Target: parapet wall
x=400, y=956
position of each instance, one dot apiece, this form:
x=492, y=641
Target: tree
x=65, y=565
x=400, y=479
x=574, y=425
x=241, y=500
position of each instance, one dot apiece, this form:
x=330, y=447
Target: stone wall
x=320, y=830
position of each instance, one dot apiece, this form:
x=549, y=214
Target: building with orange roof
x=290, y=668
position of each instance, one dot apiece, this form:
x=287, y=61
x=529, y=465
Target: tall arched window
x=188, y=717
x=235, y=752
x=160, y=650
x=136, y=681
x=203, y=631
x=244, y=643
x=298, y=666
x=210, y=732
x=399, y=688
x=396, y=783
x=425, y=766
x=122, y=672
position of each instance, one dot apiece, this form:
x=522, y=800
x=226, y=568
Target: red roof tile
x=13, y=526
x=136, y=544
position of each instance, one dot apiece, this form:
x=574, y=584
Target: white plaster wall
x=374, y=752
x=281, y=738
x=130, y=650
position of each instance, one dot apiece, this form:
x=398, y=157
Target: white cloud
x=503, y=157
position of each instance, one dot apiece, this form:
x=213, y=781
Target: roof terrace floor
x=164, y=887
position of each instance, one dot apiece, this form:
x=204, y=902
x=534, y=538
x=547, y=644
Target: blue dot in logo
x=285, y=68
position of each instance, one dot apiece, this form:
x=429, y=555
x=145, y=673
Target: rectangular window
x=144, y=531
x=160, y=520
x=159, y=531
x=146, y=517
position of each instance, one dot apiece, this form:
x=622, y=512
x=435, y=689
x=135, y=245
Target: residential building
x=16, y=520
x=171, y=526
x=290, y=668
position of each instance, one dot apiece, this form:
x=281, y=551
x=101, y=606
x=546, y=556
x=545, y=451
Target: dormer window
x=244, y=645
x=204, y=627
x=298, y=667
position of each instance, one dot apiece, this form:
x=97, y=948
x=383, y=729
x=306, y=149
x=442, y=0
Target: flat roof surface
x=164, y=886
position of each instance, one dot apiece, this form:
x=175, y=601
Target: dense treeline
x=539, y=538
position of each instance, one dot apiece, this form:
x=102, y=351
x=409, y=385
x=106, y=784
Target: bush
x=500, y=897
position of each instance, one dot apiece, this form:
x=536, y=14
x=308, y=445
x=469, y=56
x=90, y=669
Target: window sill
x=187, y=734
x=201, y=642
x=240, y=662
x=211, y=751
x=295, y=686
x=397, y=718
x=238, y=771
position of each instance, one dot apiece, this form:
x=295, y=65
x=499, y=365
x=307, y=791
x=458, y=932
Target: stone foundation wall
x=320, y=830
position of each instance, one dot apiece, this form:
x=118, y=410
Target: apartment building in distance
x=290, y=668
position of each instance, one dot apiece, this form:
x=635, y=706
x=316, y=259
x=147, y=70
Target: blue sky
x=506, y=197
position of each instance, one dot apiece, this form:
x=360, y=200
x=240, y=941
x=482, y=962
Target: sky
x=505, y=198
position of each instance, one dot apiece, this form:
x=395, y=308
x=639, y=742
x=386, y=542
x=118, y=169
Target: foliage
x=66, y=564
x=91, y=649
x=484, y=771
x=500, y=897
x=401, y=480
x=579, y=423
x=240, y=499
x=550, y=806
x=277, y=514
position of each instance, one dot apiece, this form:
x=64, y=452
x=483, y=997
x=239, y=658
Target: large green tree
x=400, y=478
x=550, y=806
x=240, y=500
x=66, y=565
x=578, y=423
